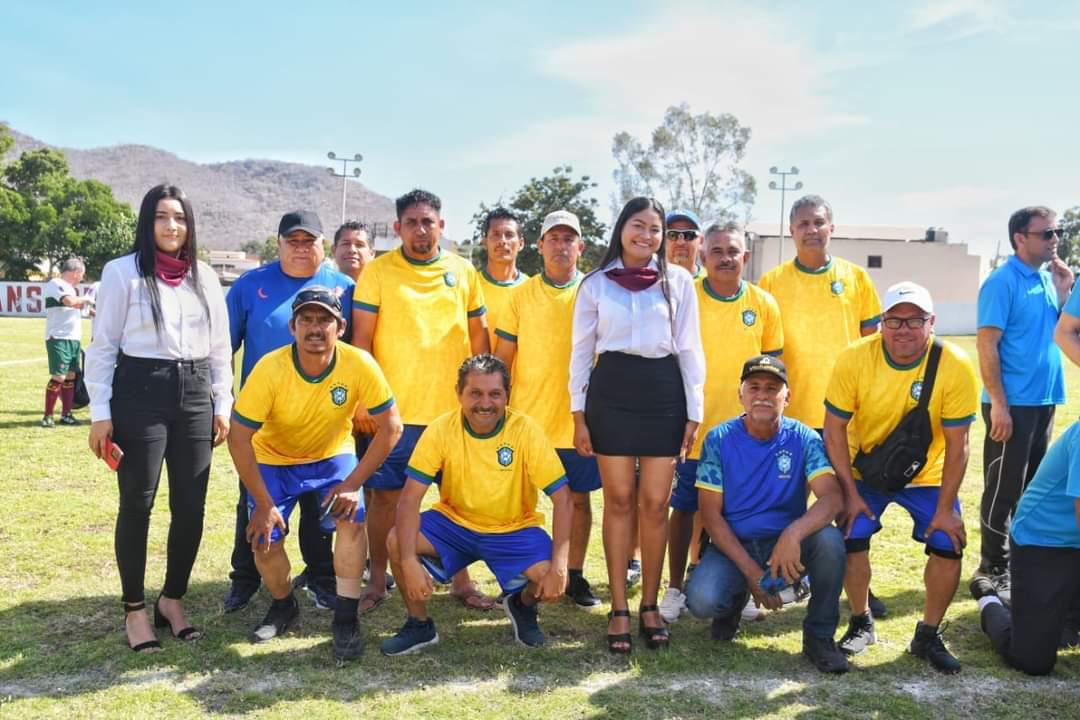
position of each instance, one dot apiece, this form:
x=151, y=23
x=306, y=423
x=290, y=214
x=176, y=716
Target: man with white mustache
x=737, y=320
x=753, y=480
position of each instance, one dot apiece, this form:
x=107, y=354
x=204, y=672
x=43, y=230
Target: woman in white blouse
x=639, y=407
x=159, y=373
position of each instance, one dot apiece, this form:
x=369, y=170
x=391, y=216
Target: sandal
x=370, y=601
x=148, y=646
x=655, y=637
x=619, y=643
x=188, y=634
x=473, y=599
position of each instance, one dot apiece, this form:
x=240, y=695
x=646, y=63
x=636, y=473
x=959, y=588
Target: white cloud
x=962, y=18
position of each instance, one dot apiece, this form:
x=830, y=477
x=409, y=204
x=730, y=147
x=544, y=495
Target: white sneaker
x=751, y=612
x=672, y=605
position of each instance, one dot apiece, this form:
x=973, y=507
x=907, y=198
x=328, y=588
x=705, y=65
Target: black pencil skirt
x=636, y=406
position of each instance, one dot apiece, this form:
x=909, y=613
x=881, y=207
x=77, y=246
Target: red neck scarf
x=172, y=270
x=634, y=279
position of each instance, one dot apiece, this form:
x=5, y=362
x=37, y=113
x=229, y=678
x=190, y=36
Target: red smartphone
x=112, y=455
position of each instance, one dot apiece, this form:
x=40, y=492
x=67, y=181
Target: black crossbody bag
x=894, y=463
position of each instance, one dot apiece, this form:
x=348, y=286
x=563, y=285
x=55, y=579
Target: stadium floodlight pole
x=344, y=175
x=783, y=188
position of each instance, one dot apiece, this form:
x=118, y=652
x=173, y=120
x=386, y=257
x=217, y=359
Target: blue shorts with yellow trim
x=684, y=496
x=391, y=474
x=583, y=473
x=286, y=483
x=919, y=501
x=508, y=555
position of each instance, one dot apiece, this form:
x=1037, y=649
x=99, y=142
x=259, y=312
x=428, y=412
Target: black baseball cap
x=318, y=295
x=764, y=364
x=305, y=220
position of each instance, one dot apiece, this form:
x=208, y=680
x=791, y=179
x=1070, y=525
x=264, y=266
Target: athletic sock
x=52, y=392
x=987, y=600
x=346, y=610
x=67, y=396
x=573, y=574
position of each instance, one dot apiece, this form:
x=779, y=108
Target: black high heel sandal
x=149, y=645
x=188, y=634
x=614, y=641
x=655, y=637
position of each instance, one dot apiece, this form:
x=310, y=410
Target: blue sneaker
x=414, y=635
x=523, y=619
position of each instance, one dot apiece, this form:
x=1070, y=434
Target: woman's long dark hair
x=146, y=248
x=615, y=248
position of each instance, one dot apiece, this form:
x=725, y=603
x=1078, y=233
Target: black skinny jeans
x=162, y=410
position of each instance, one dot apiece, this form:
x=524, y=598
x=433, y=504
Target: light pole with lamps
x=783, y=188
x=344, y=175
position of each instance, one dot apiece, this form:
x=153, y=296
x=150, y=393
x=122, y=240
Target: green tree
x=267, y=250
x=537, y=198
x=1069, y=247
x=691, y=161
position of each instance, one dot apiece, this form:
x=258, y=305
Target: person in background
x=63, y=334
x=159, y=374
x=353, y=249
x=503, y=240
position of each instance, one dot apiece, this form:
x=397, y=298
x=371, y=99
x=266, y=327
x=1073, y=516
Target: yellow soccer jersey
x=422, y=334
x=489, y=482
x=823, y=312
x=497, y=299
x=875, y=393
x=540, y=320
x=301, y=419
x=733, y=330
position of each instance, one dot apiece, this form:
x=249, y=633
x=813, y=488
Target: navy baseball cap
x=688, y=215
x=305, y=220
x=764, y=364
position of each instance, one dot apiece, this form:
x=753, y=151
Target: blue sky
x=950, y=113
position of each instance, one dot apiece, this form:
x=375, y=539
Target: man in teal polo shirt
x=1021, y=372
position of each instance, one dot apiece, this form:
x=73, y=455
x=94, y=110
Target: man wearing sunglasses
x=1022, y=375
x=259, y=306
x=876, y=382
x=684, y=240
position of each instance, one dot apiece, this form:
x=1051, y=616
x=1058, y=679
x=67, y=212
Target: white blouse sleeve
x=220, y=355
x=583, y=351
x=689, y=351
x=108, y=329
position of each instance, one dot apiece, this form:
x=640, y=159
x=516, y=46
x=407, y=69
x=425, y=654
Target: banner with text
x=27, y=299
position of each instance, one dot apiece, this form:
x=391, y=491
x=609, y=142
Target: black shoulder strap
x=931, y=374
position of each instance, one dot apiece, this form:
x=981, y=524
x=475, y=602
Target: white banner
x=27, y=299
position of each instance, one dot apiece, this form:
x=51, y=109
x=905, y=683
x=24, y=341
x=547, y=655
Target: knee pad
x=856, y=545
x=947, y=554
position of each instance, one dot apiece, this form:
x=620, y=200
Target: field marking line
x=27, y=361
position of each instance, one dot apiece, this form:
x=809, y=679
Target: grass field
x=62, y=649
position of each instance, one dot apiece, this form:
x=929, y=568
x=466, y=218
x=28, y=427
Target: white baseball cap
x=908, y=292
x=561, y=217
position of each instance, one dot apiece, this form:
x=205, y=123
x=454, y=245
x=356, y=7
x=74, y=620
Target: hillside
x=234, y=201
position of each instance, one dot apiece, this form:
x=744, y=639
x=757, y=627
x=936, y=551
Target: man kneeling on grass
x=489, y=463
x=293, y=434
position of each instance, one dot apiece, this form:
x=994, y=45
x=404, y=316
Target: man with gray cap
x=259, y=306
x=913, y=398
x=684, y=241
x=63, y=333
x=534, y=338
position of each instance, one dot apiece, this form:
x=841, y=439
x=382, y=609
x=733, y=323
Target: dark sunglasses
x=684, y=235
x=895, y=323
x=320, y=296
x=1047, y=234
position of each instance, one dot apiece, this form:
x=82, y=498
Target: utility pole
x=783, y=188
x=344, y=175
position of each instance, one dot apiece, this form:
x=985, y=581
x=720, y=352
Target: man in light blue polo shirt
x=1021, y=372
x=1045, y=565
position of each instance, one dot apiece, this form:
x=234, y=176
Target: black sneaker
x=239, y=595
x=999, y=576
x=877, y=607
x=279, y=618
x=323, y=592
x=927, y=644
x=414, y=635
x=580, y=591
x=860, y=634
x=47, y=422
x=1070, y=637
x=69, y=419
x=348, y=643
x=824, y=654
x=724, y=629
x=523, y=619
x=981, y=586
x=300, y=582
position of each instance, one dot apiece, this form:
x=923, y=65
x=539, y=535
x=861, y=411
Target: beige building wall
x=947, y=270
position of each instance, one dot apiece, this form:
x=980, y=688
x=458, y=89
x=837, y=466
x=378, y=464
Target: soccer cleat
x=348, y=643
x=982, y=586
x=672, y=605
x=927, y=644
x=751, y=612
x=282, y=615
x=999, y=576
x=239, y=596
x=47, y=422
x=414, y=635
x=580, y=591
x=523, y=620
x=69, y=419
x=824, y=654
x=300, y=582
x=860, y=634
x=323, y=593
